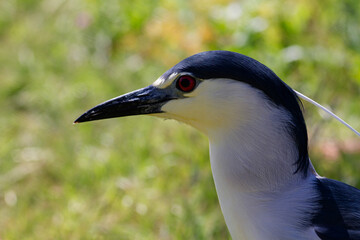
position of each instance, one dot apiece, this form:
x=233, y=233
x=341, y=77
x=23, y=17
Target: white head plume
x=326, y=110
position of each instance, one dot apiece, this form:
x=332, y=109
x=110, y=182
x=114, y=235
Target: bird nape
x=266, y=184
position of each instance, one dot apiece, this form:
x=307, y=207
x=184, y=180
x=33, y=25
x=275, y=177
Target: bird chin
x=191, y=122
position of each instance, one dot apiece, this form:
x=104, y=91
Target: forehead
x=165, y=81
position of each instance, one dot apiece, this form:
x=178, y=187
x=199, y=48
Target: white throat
x=258, y=156
x=253, y=168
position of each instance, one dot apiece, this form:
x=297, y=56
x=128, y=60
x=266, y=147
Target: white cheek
x=217, y=104
x=203, y=108
x=181, y=109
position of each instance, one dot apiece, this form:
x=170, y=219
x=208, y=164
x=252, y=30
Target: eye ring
x=186, y=83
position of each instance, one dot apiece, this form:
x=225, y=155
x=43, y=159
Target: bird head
x=215, y=91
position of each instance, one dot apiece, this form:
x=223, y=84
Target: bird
x=266, y=184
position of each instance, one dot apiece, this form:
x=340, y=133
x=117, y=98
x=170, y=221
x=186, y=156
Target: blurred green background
x=141, y=177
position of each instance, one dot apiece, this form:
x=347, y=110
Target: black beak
x=143, y=101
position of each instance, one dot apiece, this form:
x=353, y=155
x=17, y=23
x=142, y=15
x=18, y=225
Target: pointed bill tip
x=85, y=117
x=78, y=120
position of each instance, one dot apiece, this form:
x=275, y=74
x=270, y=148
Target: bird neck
x=254, y=167
x=256, y=155
x=253, y=160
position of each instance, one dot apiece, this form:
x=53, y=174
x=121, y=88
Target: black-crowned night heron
x=266, y=184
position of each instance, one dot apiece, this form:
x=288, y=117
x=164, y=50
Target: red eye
x=186, y=83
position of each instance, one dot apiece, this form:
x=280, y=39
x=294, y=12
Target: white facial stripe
x=163, y=83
